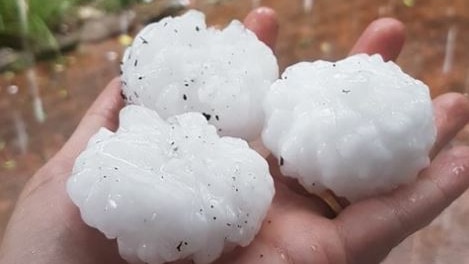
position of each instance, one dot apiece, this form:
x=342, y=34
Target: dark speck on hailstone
x=179, y=247
x=207, y=116
x=144, y=41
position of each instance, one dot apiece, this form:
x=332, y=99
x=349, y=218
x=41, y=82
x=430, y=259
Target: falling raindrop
x=23, y=10
x=308, y=6
x=31, y=77
x=114, y=67
x=449, y=49
x=22, y=138
x=38, y=109
x=19, y=125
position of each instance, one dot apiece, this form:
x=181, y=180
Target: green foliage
x=8, y=12
x=40, y=35
x=109, y=5
x=52, y=12
x=44, y=17
x=41, y=19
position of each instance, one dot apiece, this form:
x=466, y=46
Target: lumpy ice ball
x=179, y=65
x=358, y=127
x=170, y=190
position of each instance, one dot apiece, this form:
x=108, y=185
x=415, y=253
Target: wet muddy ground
x=435, y=52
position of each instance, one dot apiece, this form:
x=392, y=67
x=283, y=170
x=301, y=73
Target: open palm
x=299, y=228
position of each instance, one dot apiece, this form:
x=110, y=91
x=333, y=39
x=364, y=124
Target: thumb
x=103, y=112
x=263, y=22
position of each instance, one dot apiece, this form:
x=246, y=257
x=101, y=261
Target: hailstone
x=358, y=127
x=180, y=65
x=171, y=189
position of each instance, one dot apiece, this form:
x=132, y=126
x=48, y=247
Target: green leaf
x=2, y=24
x=42, y=37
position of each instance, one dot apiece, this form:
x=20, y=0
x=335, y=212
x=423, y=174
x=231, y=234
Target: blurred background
x=57, y=55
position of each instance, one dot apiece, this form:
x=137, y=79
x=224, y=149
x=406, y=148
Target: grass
x=44, y=18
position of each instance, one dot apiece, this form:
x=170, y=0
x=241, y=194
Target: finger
x=389, y=219
x=263, y=22
x=384, y=36
x=102, y=113
x=451, y=115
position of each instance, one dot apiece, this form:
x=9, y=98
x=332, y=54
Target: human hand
x=46, y=226
x=299, y=227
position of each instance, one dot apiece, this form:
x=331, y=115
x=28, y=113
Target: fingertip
x=109, y=101
x=102, y=113
x=456, y=103
x=263, y=15
x=115, y=83
x=385, y=36
x=263, y=21
x=388, y=24
x=451, y=115
x=112, y=88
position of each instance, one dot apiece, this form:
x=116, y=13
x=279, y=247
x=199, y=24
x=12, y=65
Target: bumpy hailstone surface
x=179, y=65
x=169, y=190
x=358, y=127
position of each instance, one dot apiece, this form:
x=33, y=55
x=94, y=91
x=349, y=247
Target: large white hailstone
x=179, y=65
x=170, y=190
x=358, y=127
